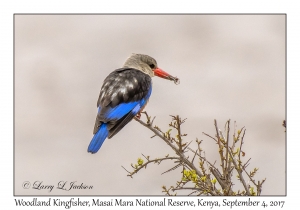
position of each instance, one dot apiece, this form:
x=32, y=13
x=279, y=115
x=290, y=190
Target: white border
x=8, y=8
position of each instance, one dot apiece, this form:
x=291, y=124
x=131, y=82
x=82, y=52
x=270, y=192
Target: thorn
x=152, y=121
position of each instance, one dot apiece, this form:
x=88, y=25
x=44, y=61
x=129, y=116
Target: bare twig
x=240, y=173
x=220, y=147
x=227, y=149
x=158, y=160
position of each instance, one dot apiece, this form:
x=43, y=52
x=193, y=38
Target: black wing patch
x=123, y=85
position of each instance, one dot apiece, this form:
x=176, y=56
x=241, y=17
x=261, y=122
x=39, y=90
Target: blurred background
x=230, y=67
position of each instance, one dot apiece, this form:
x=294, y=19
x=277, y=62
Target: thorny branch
x=206, y=178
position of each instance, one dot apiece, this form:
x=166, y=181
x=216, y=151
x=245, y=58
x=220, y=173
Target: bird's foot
x=138, y=115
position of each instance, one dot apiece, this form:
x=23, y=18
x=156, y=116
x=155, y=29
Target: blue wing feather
x=119, y=111
x=122, y=109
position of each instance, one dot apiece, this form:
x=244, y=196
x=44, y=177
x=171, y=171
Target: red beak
x=160, y=73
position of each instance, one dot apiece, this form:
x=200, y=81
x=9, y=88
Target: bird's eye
x=151, y=66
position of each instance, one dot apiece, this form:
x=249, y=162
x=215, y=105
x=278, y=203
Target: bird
x=123, y=95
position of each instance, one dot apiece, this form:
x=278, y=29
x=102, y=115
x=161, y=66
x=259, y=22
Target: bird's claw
x=138, y=116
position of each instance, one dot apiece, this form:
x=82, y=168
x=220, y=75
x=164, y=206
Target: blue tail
x=98, y=139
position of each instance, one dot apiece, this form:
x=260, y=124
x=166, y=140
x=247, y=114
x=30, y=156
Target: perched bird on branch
x=123, y=96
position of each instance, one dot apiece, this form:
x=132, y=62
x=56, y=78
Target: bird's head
x=148, y=65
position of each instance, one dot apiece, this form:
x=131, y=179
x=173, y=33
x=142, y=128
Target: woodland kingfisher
x=123, y=95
